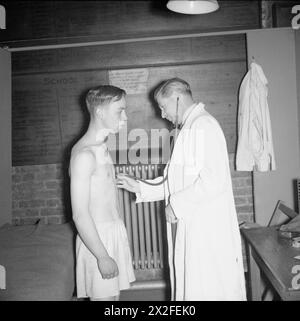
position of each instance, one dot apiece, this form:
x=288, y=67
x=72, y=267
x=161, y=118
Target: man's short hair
x=102, y=95
x=167, y=87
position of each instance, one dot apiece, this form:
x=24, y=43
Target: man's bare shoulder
x=83, y=155
x=82, y=160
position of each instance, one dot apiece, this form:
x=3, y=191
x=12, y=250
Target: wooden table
x=272, y=255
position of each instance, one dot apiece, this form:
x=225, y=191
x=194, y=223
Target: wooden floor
x=151, y=291
x=156, y=290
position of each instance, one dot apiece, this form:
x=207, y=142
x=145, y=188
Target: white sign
x=133, y=81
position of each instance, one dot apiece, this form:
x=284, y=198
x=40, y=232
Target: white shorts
x=89, y=281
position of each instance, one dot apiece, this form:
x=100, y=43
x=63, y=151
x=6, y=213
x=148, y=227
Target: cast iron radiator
x=145, y=222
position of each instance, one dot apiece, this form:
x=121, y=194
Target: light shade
x=193, y=6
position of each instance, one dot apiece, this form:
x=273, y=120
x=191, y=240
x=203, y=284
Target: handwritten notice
x=134, y=81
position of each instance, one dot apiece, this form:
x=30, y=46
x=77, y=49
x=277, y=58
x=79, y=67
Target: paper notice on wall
x=133, y=81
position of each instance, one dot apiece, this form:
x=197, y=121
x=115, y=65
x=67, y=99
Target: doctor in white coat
x=206, y=258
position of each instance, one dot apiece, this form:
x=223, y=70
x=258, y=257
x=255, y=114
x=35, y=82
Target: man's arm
x=81, y=168
x=144, y=192
x=151, y=193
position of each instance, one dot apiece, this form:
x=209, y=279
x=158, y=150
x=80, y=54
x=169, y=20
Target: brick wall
x=242, y=184
x=42, y=191
x=39, y=192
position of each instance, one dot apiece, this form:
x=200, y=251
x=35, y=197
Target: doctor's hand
x=170, y=216
x=128, y=183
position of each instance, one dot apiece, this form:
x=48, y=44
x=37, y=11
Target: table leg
x=254, y=277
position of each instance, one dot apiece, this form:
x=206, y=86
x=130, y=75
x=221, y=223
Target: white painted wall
x=274, y=50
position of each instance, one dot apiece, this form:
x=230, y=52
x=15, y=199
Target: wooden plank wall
x=53, y=22
x=49, y=85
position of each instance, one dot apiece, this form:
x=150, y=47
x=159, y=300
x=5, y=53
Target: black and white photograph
x=150, y=152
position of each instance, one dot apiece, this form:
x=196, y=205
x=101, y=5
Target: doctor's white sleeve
x=213, y=175
x=151, y=193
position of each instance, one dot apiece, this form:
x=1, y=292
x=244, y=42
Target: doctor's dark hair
x=167, y=87
x=103, y=95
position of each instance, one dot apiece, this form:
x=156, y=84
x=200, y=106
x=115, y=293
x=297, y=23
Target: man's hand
x=170, y=216
x=128, y=183
x=107, y=267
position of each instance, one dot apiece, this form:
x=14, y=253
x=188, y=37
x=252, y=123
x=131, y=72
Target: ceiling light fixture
x=193, y=6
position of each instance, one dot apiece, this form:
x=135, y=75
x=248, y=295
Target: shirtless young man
x=103, y=259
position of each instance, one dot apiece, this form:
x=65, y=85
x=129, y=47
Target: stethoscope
x=166, y=176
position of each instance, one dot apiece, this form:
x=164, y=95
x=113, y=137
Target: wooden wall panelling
x=49, y=112
x=132, y=55
x=216, y=85
x=35, y=124
x=282, y=13
x=52, y=22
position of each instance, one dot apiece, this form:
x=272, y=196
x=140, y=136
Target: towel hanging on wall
x=255, y=146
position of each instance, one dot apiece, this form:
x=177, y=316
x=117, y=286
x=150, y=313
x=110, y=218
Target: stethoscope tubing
x=165, y=177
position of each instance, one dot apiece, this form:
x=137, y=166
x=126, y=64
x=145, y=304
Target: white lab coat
x=208, y=262
x=255, y=145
